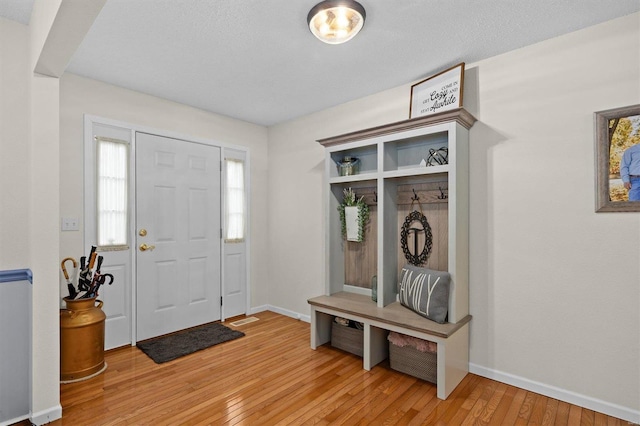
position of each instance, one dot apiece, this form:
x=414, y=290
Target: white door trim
x=89, y=200
x=229, y=153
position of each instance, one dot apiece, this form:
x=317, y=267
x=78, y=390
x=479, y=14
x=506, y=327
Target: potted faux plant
x=354, y=214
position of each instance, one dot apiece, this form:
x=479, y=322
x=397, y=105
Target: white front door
x=178, y=219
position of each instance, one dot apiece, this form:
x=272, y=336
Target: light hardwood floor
x=271, y=376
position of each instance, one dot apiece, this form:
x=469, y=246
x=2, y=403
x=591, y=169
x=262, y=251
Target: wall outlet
x=70, y=224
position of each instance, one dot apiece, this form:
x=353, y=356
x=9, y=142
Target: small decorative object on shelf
x=354, y=215
x=438, y=157
x=374, y=288
x=348, y=166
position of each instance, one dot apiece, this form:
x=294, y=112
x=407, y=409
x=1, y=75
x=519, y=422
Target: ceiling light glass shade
x=336, y=21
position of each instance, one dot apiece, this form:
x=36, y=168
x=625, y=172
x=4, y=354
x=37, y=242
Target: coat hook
x=442, y=195
x=415, y=196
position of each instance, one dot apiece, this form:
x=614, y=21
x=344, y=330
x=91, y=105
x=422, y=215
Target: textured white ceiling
x=16, y=10
x=257, y=60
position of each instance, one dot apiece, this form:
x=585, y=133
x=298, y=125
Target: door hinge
x=220, y=300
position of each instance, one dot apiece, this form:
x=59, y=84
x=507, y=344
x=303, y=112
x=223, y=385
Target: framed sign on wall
x=438, y=93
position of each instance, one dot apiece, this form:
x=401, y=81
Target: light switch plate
x=70, y=224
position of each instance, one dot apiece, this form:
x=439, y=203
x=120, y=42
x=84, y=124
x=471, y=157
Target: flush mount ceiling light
x=336, y=21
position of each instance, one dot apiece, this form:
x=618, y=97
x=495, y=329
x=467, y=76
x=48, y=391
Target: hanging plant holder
x=416, y=223
x=354, y=215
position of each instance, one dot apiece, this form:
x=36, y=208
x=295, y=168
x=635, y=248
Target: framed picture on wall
x=617, y=146
x=438, y=93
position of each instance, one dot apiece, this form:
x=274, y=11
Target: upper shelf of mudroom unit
x=398, y=149
x=364, y=160
x=416, y=171
x=410, y=152
x=353, y=178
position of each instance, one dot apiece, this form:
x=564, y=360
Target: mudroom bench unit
x=412, y=168
x=452, y=356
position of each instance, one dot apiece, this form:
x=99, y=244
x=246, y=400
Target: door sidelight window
x=234, y=201
x=112, y=193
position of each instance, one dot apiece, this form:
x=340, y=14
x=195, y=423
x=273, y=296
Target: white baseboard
x=286, y=312
x=257, y=309
x=46, y=416
x=15, y=420
x=588, y=402
x=281, y=311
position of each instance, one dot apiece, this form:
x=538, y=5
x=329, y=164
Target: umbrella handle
x=64, y=268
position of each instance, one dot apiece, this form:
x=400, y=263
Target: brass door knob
x=144, y=247
x=143, y=233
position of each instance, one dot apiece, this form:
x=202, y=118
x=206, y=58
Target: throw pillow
x=425, y=292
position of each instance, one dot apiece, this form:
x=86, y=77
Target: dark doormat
x=168, y=348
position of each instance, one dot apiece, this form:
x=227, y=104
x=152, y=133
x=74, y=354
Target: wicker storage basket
x=409, y=360
x=348, y=339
